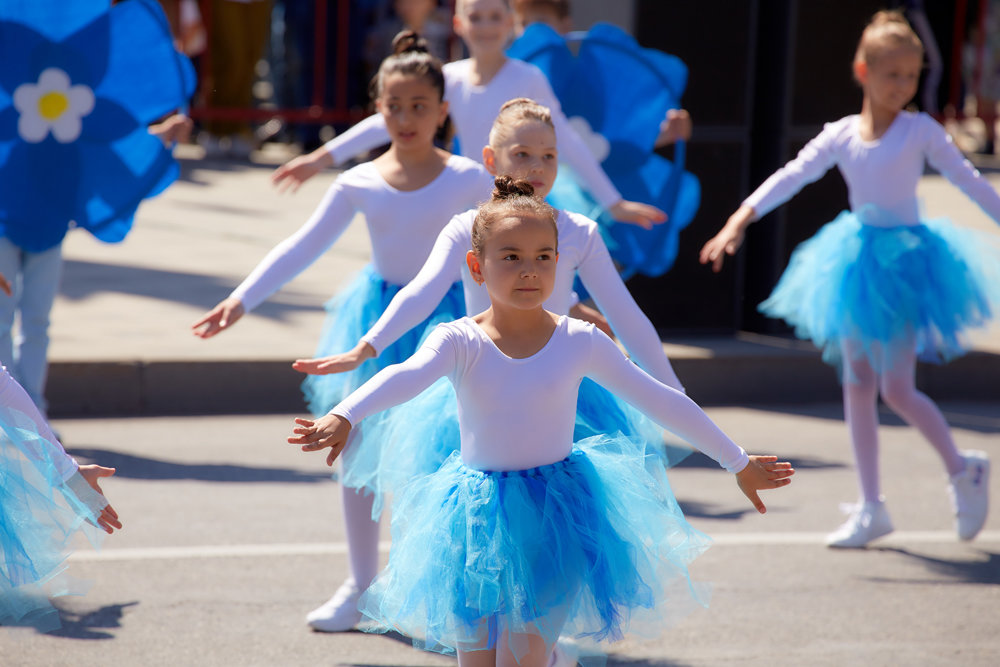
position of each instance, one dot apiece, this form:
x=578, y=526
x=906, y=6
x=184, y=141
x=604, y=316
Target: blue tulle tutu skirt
x=869, y=288
x=387, y=449
x=40, y=514
x=593, y=547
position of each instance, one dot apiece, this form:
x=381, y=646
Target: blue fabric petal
x=108, y=122
x=119, y=180
x=54, y=18
x=94, y=45
x=623, y=91
x=154, y=79
x=17, y=42
x=36, y=193
x=8, y=125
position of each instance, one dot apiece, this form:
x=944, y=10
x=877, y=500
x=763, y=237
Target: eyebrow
x=508, y=248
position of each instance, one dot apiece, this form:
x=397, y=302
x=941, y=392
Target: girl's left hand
x=637, y=213
x=763, y=472
x=108, y=520
x=327, y=431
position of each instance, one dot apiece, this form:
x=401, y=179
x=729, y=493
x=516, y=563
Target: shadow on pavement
x=89, y=624
x=980, y=417
x=83, y=280
x=138, y=467
x=985, y=571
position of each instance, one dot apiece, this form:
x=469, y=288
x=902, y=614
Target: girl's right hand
x=327, y=431
x=728, y=240
x=336, y=363
x=763, y=472
x=219, y=318
x=292, y=174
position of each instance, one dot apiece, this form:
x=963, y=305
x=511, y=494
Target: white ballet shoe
x=969, y=491
x=339, y=613
x=868, y=521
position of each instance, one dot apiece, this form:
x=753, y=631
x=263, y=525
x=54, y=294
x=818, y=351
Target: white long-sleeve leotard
x=16, y=405
x=474, y=108
x=402, y=225
x=884, y=172
x=581, y=251
x=519, y=413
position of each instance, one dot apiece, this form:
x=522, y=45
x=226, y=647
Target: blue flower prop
x=79, y=84
x=615, y=94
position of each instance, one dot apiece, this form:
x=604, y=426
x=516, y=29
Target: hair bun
x=506, y=187
x=408, y=41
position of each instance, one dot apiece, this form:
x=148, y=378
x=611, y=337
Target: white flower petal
x=67, y=128
x=26, y=98
x=32, y=128
x=81, y=100
x=53, y=79
x=595, y=141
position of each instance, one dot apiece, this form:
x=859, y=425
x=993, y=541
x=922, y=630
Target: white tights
x=861, y=387
x=362, y=535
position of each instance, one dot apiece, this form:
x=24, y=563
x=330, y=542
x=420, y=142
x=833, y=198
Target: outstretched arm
x=367, y=135
x=680, y=415
x=390, y=386
x=630, y=324
x=729, y=239
x=412, y=304
x=282, y=263
x=576, y=154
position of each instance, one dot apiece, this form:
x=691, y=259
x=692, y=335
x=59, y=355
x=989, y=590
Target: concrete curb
x=132, y=388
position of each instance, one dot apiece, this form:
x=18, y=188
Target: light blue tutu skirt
x=875, y=289
x=593, y=547
x=39, y=516
x=382, y=456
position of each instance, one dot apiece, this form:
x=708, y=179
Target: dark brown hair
x=511, y=198
x=410, y=56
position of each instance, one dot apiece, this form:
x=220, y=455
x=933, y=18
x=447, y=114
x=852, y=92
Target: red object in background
x=316, y=113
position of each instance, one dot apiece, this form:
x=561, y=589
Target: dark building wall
x=764, y=77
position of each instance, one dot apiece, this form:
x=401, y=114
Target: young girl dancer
x=476, y=88
x=524, y=535
x=406, y=195
x=522, y=145
x=878, y=286
x=36, y=522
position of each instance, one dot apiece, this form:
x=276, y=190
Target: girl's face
x=890, y=82
x=484, y=25
x=518, y=262
x=527, y=151
x=412, y=109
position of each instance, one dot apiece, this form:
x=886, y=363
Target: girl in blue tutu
x=522, y=145
x=45, y=498
x=524, y=535
x=406, y=195
x=880, y=287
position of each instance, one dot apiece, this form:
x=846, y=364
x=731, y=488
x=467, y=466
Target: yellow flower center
x=51, y=105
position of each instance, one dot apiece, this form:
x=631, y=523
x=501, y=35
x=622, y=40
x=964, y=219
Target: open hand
x=728, y=240
x=108, y=519
x=295, y=172
x=637, y=213
x=327, y=431
x=223, y=316
x=763, y=472
x=336, y=363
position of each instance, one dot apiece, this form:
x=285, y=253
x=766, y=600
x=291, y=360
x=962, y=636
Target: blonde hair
x=887, y=31
x=515, y=111
x=511, y=198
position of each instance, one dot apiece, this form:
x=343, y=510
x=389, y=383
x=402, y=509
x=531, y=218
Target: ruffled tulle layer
x=381, y=455
x=876, y=289
x=593, y=547
x=39, y=515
